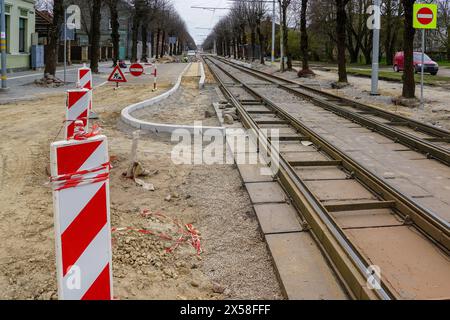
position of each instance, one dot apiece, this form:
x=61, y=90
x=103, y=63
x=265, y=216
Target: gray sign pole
x=273, y=31
x=376, y=49
x=3, y=39
x=65, y=44
x=422, y=103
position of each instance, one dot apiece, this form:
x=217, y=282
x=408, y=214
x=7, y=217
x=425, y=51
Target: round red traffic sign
x=425, y=16
x=136, y=69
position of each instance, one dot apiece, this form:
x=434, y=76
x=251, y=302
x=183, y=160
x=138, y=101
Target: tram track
x=345, y=187
x=429, y=140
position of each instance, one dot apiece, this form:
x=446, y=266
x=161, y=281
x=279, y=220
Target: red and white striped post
x=80, y=180
x=78, y=108
x=155, y=77
x=85, y=81
x=85, y=77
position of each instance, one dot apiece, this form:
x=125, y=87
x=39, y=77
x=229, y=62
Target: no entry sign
x=425, y=16
x=136, y=69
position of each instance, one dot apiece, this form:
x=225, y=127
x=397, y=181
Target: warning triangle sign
x=117, y=75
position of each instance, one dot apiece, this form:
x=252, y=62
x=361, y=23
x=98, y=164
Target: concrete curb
x=160, y=127
x=245, y=64
x=201, y=83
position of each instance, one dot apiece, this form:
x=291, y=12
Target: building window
x=22, y=34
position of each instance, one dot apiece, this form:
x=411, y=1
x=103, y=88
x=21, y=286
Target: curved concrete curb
x=160, y=127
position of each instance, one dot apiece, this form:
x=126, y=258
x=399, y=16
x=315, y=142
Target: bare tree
x=341, y=21
x=409, y=84
x=284, y=5
x=115, y=35
x=305, y=71
x=95, y=34
x=52, y=49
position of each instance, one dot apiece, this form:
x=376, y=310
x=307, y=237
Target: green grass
x=444, y=63
x=391, y=76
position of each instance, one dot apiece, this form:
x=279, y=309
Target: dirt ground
x=185, y=106
x=234, y=262
x=436, y=112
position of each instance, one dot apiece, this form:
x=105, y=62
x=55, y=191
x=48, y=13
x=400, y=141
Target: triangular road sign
x=117, y=75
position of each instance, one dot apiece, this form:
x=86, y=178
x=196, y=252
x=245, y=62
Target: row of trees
x=154, y=19
x=331, y=30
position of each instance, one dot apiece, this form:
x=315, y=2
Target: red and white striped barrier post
x=85, y=77
x=155, y=78
x=78, y=108
x=80, y=181
x=85, y=81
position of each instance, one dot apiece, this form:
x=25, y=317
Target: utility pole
x=3, y=39
x=376, y=26
x=281, y=42
x=273, y=31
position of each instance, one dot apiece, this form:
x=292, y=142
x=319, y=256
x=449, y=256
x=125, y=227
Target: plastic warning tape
x=78, y=104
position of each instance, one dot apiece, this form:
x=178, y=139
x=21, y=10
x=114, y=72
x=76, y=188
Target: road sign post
x=3, y=40
x=424, y=17
x=374, y=23
x=117, y=76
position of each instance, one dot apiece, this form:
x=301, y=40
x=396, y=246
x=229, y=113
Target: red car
x=430, y=66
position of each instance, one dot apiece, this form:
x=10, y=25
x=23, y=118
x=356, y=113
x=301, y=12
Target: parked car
x=430, y=66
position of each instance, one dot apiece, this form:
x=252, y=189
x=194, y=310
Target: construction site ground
x=234, y=262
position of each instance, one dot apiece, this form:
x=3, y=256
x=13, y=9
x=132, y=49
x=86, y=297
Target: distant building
x=20, y=23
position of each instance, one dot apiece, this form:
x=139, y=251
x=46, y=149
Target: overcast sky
x=199, y=18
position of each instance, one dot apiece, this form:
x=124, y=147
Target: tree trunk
x=448, y=43
x=244, y=42
x=152, y=44
x=387, y=42
x=304, y=41
x=52, y=49
x=144, y=35
x=115, y=36
x=157, y=43
x=163, y=41
x=262, y=51
x=285, y=39
x=409, y=84
x=95, y=31
x=134, y=36
x=253, y=41
x=341, y=20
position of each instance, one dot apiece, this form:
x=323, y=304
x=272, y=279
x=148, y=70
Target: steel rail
x=437, y=220
x=345, y=258
x=391, y=131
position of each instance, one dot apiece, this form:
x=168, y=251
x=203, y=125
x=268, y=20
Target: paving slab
x=320, y=173
x=327, y=190
x=408, y=261
x=303, y=271
x=255, y=173
x=277, y=218
x=367, y=218
x=265, y=192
